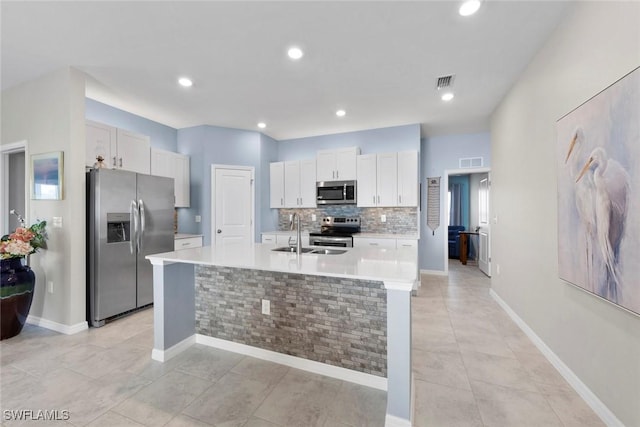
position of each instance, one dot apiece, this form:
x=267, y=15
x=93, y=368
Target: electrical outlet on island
x=383, y=218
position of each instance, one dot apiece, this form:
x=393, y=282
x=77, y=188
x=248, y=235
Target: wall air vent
x=471, y=162
x=444, y=81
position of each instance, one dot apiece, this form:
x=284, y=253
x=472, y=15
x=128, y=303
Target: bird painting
x=611, y=184
x=598, y=183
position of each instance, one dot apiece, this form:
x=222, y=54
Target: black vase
x=16, y=294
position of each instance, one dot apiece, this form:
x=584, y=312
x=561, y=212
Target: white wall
x=49, y=114
x=597, y=43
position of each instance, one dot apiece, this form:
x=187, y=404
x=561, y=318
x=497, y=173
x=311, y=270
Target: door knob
x=219, y=231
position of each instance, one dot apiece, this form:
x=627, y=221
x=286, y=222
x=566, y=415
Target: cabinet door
x=134, y=152
x=406, y=243
x=101, y=141
x=387, y=179
x=292, y=184
x=269, y=239
x=326, y=165
x=276, y=184
x=367, y=192
x=360, y=242
x=162, y=163
x=408, y=178
x=182, y=181
x=308, y=183
x=346, y=163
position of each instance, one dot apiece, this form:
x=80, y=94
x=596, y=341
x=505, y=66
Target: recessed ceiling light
x=184, y=81
x=341, y=113
x=469, y=7
x=447, y=96
x=295, y=52
x=262, y=125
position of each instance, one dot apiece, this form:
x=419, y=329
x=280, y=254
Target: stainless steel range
x=336, y=231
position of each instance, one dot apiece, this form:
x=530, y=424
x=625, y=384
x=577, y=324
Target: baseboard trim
x=434, y=272
x=392, y=421
x=344, y=374
x=58, y=327
x=174, y=350
x=581, y=388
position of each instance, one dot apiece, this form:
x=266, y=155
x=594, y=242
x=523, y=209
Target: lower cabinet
x=384, y=242
x=281, y=239
x=187, y=242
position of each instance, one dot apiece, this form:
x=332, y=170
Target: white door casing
x=233, y=205
x=484, y=250
x=5, y=151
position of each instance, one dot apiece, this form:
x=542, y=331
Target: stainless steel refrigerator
x=129, y=216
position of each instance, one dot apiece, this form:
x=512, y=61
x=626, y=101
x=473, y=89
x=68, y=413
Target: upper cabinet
x=176, y=166
x=293, y=184
x=337, y=165
x=120, y=149
x=388, y=179
x=276, y=184
x=408, y=178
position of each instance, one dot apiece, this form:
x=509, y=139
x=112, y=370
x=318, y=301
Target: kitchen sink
x=291, y=249
x=328, y=251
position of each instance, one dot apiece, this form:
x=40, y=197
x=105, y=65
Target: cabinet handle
x=337, y=174
x=281, y=201
x=399, y=198
x=373, y=244
x=333, y=174
x=120, y=161
x=114, y=161
x=378, y=199
x=374, y=200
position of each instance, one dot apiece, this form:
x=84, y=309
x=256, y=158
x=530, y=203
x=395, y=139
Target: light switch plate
x=198, y=218
x=266, y=306
x=56, y=222
x=313, y=217
x=383, y=218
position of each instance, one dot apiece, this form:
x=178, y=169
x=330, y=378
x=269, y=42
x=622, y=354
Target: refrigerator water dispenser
x=118, y=227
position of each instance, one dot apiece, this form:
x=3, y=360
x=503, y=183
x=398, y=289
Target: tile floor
x=472, y=366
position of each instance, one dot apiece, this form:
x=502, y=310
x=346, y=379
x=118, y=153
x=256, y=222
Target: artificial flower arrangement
x=24, y=241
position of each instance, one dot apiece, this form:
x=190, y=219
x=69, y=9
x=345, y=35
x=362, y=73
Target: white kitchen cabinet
x=337, y=165
x=269, y=239
x=187, y=242
x=406, y=243
x=176, y=166
x=408, y=178
x=359, y=242
x=300, y=184
x=276, y=184
x=377, y=180
x=121, y=149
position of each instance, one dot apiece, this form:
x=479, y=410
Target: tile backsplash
x=399, y=220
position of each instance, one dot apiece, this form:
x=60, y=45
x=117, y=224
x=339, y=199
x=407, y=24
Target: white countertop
x=399, y=266
x=185, y=236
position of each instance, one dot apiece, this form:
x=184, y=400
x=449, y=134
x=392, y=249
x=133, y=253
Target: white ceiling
x=377, y=60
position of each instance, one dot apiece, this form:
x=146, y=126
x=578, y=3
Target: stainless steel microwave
x=336, y=192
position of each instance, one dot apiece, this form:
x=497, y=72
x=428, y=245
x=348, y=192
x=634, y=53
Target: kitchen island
x=347, y=315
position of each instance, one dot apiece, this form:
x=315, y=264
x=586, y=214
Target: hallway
x=473, y=366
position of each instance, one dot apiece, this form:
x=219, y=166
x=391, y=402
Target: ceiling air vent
x=444, y=81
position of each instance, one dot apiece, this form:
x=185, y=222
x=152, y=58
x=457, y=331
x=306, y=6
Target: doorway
x=232, y=209
x=473, y=213
x=14, y=190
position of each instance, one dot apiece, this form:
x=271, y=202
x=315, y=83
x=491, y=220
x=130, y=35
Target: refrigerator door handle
x=142, y=225
x=133, y=235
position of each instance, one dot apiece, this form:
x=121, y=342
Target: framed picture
x=46, y=176
x=598, y=158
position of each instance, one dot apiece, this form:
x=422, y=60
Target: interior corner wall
x=438, y=154
x=596, y=44
x=49, y=114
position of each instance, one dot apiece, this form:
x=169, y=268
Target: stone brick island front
x=346, y=316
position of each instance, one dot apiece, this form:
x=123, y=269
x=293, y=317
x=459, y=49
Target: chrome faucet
x=296, y=217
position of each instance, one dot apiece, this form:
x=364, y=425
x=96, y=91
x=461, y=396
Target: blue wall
x=209, y=145
x=384, y=140
x=162, y=136
x=440, y=154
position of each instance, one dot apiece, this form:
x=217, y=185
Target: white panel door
x=134, y=152
x=233, y=221
x=276, y=185
x=346, y=163
x=326, y=166
x=101, y=141
x=387, y=179
x=408, y=178
x=367, y=191
x=484, y=250
x=308, y=183
x=292, y=184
